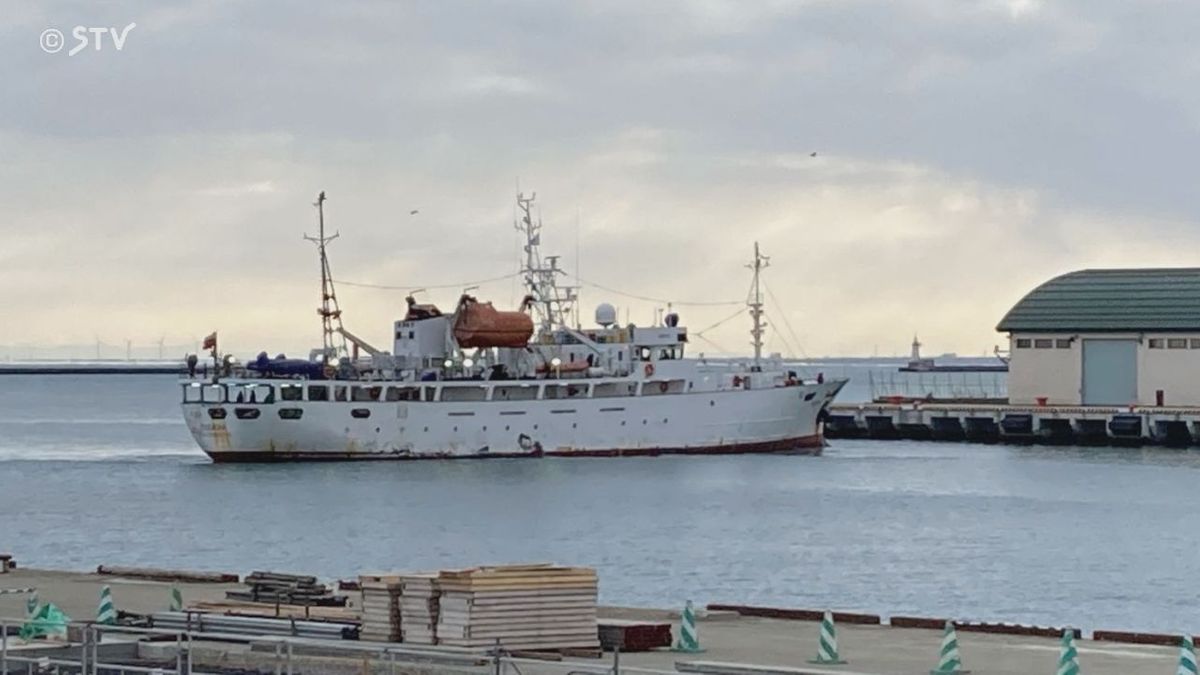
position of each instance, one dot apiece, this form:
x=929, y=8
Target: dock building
x=1107, y=337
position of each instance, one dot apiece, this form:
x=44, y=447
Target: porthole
x=247, y=413
x=217, y=413
x=360, y=413
x=290, y=413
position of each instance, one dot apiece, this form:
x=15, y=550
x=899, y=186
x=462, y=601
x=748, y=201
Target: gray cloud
x=966, y=151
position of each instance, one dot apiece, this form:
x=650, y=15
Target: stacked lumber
x=380, y=607
x=287, y=589
x=634, y=636
x=532, y=607
x=419, y=608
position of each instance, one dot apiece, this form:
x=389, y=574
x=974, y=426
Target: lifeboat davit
x=479, y=324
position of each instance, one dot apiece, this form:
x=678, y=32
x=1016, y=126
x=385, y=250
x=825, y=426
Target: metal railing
x=285, y=660
x=950, y=385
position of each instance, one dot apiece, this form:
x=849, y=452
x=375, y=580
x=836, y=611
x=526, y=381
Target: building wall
x=1053, y=372
x=1176, y=371
x=1056, y=372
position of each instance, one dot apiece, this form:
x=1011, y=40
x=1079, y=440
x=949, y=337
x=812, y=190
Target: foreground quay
x=732, y=643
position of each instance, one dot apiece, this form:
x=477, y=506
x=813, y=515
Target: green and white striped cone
x=176, y=599
x=1068, y=657
x=689, y=640
x=107, y=611
x=31, y=604
x=1187, y=657
x=827, y=648
x=949, y=662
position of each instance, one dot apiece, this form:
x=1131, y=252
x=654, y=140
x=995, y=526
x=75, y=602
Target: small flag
x=210, y=342
x=176, y=599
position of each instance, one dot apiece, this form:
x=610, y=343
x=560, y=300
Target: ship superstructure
x=477, y=381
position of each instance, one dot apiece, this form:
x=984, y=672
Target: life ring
x=662, y=386
x=649, y=370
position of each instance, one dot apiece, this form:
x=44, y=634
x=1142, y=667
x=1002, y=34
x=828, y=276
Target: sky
x=966, y=151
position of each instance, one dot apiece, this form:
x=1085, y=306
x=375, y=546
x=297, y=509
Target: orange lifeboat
x=478, y=324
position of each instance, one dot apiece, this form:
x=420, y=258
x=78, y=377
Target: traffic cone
x=31, y=603
x=107, y=612
x=1068, y=657
x=176, y=599
x=689, y=640
x=827, y=648
x=949, y=662
x=1187, y=657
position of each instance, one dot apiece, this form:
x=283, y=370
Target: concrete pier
x=1074, y=425
x=732, y=642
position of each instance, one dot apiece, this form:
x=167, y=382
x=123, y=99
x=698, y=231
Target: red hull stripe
x=803, y=445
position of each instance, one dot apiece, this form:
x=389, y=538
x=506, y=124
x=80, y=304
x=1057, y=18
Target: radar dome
x=606, y=314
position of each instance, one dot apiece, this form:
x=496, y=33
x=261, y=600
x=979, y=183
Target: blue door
x=1109, y=372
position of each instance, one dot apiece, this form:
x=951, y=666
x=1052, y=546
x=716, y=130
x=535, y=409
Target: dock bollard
x=106, y=613
x=689, y=640
x=176, y=599
x=827, y=647
x=1187, y=657
x=1068, y=658
x=949, y=662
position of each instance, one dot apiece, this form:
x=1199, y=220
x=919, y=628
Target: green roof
x=1110, y=301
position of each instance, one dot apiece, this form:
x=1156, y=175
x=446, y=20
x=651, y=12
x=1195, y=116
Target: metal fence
x=946, y=385
x=84, y=657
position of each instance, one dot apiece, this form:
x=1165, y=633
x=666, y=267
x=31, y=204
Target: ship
x=481, y=382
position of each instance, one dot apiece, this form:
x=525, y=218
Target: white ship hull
x=725, y=421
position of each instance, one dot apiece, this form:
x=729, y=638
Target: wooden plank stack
x=380, y=607
x=287, y=589
x=527, y=607
x=419, y=608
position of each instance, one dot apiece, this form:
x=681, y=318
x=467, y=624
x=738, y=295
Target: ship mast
x=551, y=302
x=755, y=304
x=329, y=310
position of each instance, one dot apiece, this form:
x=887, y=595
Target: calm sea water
x=100, y=470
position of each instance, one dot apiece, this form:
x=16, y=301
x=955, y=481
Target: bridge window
x=403, y=394
x=1023, y=343
x=1177, y=343
x=291, y=392
x=1062, y=344
x=1043, y=343
x=1156, y=343
x=363, y=394
x=318, y=392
